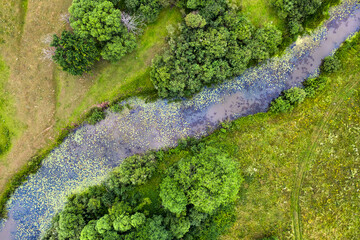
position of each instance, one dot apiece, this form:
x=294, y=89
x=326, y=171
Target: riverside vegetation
x=193, y=23
x=197, y=191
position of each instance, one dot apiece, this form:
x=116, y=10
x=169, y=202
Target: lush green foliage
x=289, y=99
x=96, y=116
x=205, y=181
x=331, y=64
x=313, y=85
x=147, y=9
x=98, y=19
x=75, y=54
x=118, y=210
x=297, y=12
x=135, y=170
x=195, y=20
x=205, y=54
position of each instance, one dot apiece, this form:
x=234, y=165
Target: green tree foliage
x=280, y=105
x=295, y=95
x=195, y=20
x=70, y=225
x=104, y=224
x=89, y=232
x=313, y=85
x=155, y=229
x=331, y=64
x=173, y=196
x=208, y=180
x=179, y=227
x=289, y=99
x=296, y=12
x=147, y=9
x=73, y=53
x=135, y=169
x=204, y=55
x=99, y=19
x=118, y=47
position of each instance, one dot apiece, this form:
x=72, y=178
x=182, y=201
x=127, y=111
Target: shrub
x=73, y=53
x=295, y=95
x=118, y=47
x=280, y=105
x=195, y=20
x=96, y=116
x=135, y=170
x=331, y=64
x=313, y=85
x=117, y=108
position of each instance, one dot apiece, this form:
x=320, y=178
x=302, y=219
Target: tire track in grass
x=305, y=157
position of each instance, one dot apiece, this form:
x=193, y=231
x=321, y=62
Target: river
x=91, y=152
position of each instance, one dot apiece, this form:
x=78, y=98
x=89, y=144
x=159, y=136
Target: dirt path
x=32, y=84
x=306, y=156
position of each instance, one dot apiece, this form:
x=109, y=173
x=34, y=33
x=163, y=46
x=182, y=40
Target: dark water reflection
x=86, y=156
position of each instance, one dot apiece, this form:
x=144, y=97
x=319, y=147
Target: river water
x=91, y=152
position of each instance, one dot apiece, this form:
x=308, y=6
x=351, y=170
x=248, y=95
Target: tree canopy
x=74, y=53
x=206, y=180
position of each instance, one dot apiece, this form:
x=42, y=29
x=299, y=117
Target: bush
x=195, y=20
x=96, y=116
x=295, y=95
x=135, y=170
x=313, y=85
x=280, y=105
x=73, y=53
x=118, y=47
x=331, y=64
x=117, y=108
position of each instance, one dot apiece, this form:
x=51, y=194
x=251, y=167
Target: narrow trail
x=305, y=157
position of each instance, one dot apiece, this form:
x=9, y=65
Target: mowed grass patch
x=110, y=82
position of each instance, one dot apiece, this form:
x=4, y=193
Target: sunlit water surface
x=90, y=153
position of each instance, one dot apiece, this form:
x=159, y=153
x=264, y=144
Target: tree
x=89, y=232
x=98, y=19
x=195, y=20
x=122, y=223
x=295, y=95
x=331, y=64
x=118, y=47
x=104, y=224
x=179, y=227
x=155, y=229
x=73, y=53
x=135, y=170
x=137, y=219
x=173, y=196
x=207, y=181
x=70, y=225
x=280, y=105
